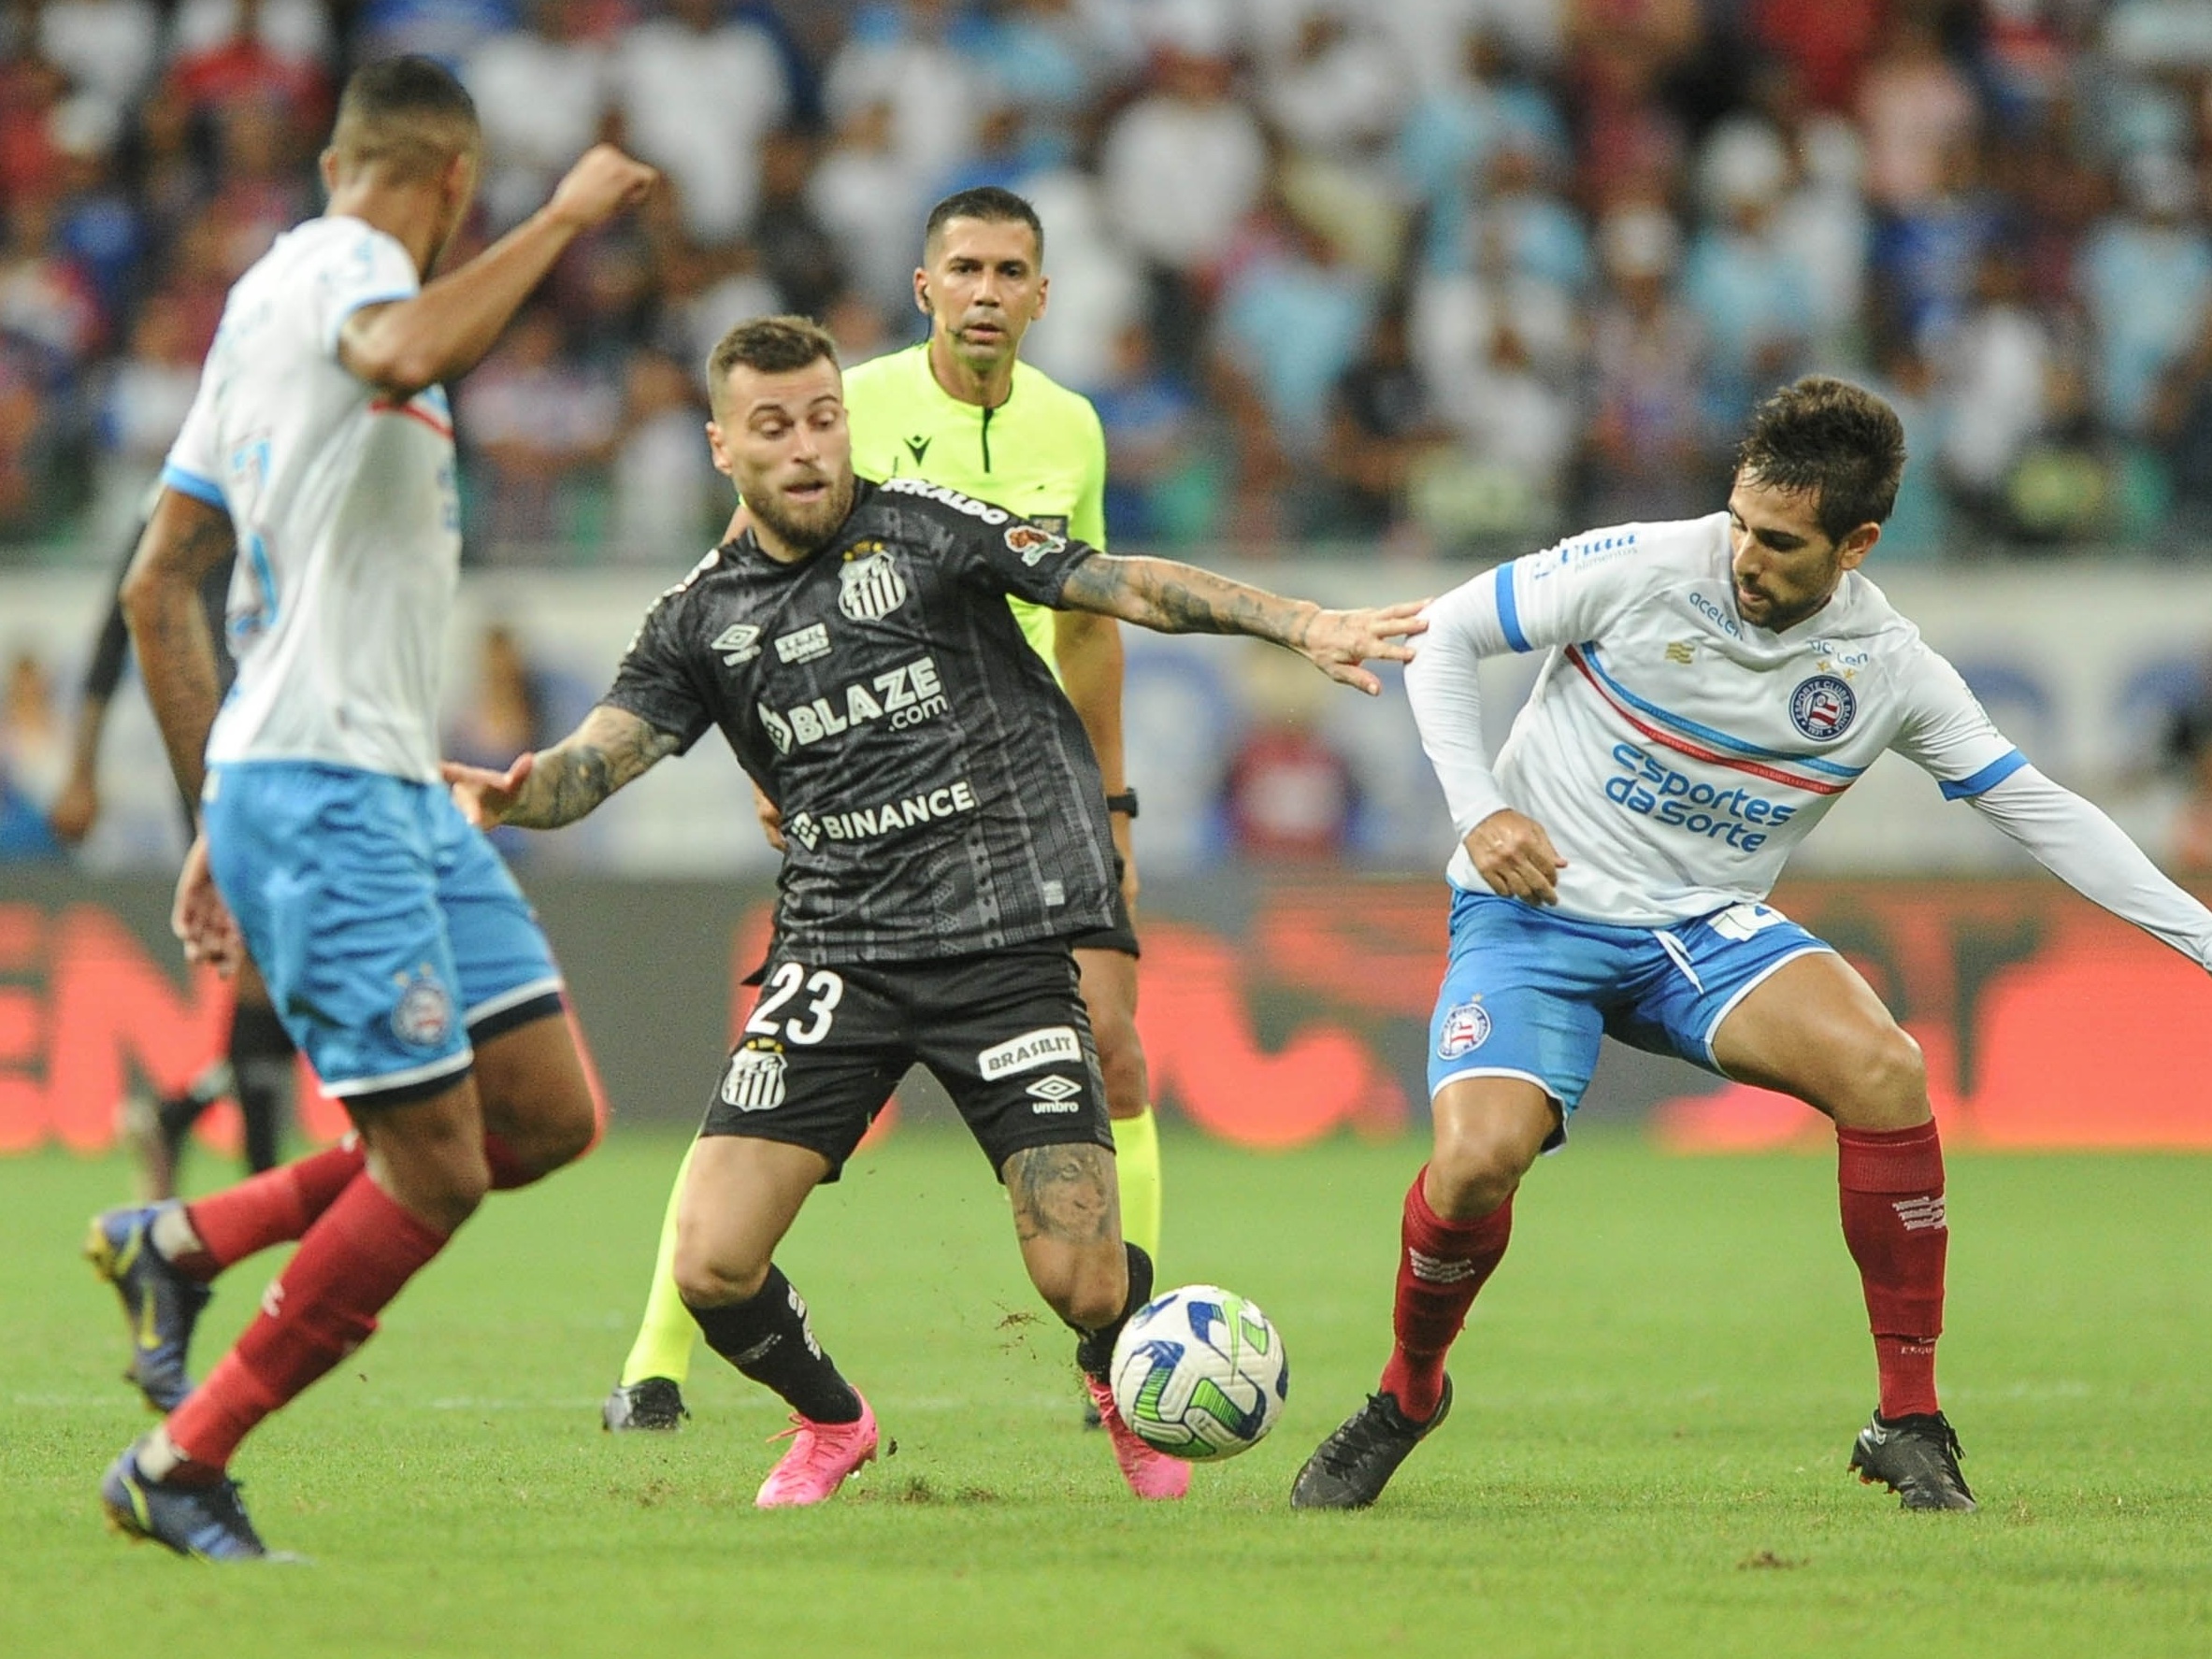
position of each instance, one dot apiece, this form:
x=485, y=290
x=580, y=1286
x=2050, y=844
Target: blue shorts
x=390, y=933
x=1527, y=992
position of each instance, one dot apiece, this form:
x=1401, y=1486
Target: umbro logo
x=739, y=644
x=1438, y=1269
x=918, y=448
x=1920, y=1215
x=1054, y=1094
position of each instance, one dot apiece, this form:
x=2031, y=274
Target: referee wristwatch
x=1124, y=803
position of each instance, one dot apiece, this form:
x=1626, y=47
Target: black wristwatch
x=1124, y=803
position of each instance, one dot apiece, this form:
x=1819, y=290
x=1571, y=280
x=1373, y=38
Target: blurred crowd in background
x=1442, y=275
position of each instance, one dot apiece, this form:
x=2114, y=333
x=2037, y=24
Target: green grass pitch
x=1655, y=1401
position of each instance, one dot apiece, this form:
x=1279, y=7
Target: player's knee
x=1888, y=1083
x=706, y=1280
x=1475, y=1166
x=443, y=1188
x=570, y=1127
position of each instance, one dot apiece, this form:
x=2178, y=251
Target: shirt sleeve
x=1088, y=521
x=364, y=268
x=1560, y=596
x=1947, y=734
x=194, y=464
x=2093, y=855
x=1020, y=558
x=656, y=682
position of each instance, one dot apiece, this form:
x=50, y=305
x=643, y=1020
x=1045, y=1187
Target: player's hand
x=200, y=919
x=771, y=819
x=484, y=797
x=75, y=809
x=1511, y=853
x=1338, y=641
x=1124, y=844
x=601, y=184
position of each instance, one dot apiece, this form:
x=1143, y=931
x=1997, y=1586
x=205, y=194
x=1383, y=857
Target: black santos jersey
x=939, y=796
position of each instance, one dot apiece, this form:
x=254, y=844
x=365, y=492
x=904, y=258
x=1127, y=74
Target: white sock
x=171, y=1233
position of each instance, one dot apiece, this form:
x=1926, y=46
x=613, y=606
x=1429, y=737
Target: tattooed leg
x=1067, y=1213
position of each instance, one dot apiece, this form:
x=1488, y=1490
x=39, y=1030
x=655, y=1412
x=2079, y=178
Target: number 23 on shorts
x=824, y=988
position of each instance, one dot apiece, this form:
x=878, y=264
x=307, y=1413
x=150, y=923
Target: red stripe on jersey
x=1696, y=750
x=390, y=405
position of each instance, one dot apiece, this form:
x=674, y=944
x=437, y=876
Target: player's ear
x=327, y=166
x=1043, y=294
x=922, y=293
x=1851, y=551
x=715, y=450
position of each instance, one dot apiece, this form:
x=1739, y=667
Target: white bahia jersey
x=1675, y=753
x=345, y=507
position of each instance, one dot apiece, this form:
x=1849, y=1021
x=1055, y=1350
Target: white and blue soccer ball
x=1199, y=1373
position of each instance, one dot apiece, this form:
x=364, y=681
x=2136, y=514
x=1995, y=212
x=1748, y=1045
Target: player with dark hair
x=947, y=839
x=255, y=1067
x=1711, y=687
x=962, y=410
x=403, y=959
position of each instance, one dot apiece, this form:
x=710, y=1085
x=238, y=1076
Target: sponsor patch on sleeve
x=1033, y=542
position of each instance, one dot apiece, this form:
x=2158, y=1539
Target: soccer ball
x=1199, y=1373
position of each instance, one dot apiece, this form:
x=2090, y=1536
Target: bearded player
x=963, y=410
x=947, y=843
x=1709, y=688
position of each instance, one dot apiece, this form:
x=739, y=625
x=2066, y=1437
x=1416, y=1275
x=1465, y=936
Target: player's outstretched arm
x=444, y=331
x=1174, y=598
x=2078, y=843
x=559, y=785
x=185, y=539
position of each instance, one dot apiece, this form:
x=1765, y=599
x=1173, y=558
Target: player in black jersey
x=947, y=836
x=255, y=1067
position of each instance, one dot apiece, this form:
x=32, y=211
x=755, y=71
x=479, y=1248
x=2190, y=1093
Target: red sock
x=273, y=1207
x=1441, y=1264
x=508, y=1170
x=1891, y=1183
x=324, y=1305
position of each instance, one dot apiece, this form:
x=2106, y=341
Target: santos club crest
x=869, y=587
x=755, y=1079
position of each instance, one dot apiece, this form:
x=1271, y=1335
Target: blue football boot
x=160, y=1304
x=205, y=1523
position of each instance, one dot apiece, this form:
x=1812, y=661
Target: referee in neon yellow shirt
x=962, y=410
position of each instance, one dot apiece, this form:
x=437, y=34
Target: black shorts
x=1120, y=938
x=1004, y=1032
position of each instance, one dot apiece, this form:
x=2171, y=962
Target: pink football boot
x=822, y=1456
x=1149, y=1473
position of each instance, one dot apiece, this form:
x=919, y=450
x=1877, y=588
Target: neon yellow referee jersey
x=1040, y=453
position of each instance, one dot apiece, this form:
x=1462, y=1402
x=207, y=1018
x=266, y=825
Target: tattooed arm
x=185, y=539
x=1172, y=598
x=559, y=785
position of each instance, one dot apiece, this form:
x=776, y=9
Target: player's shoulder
x=339, y=243
x=897, y=501
x=1053, y=400
x=1656, y=552
x=1861, y=612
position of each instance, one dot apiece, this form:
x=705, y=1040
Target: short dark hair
x=991, y=205
x=408, y=115
x=1838, y=441
x=767, y=345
